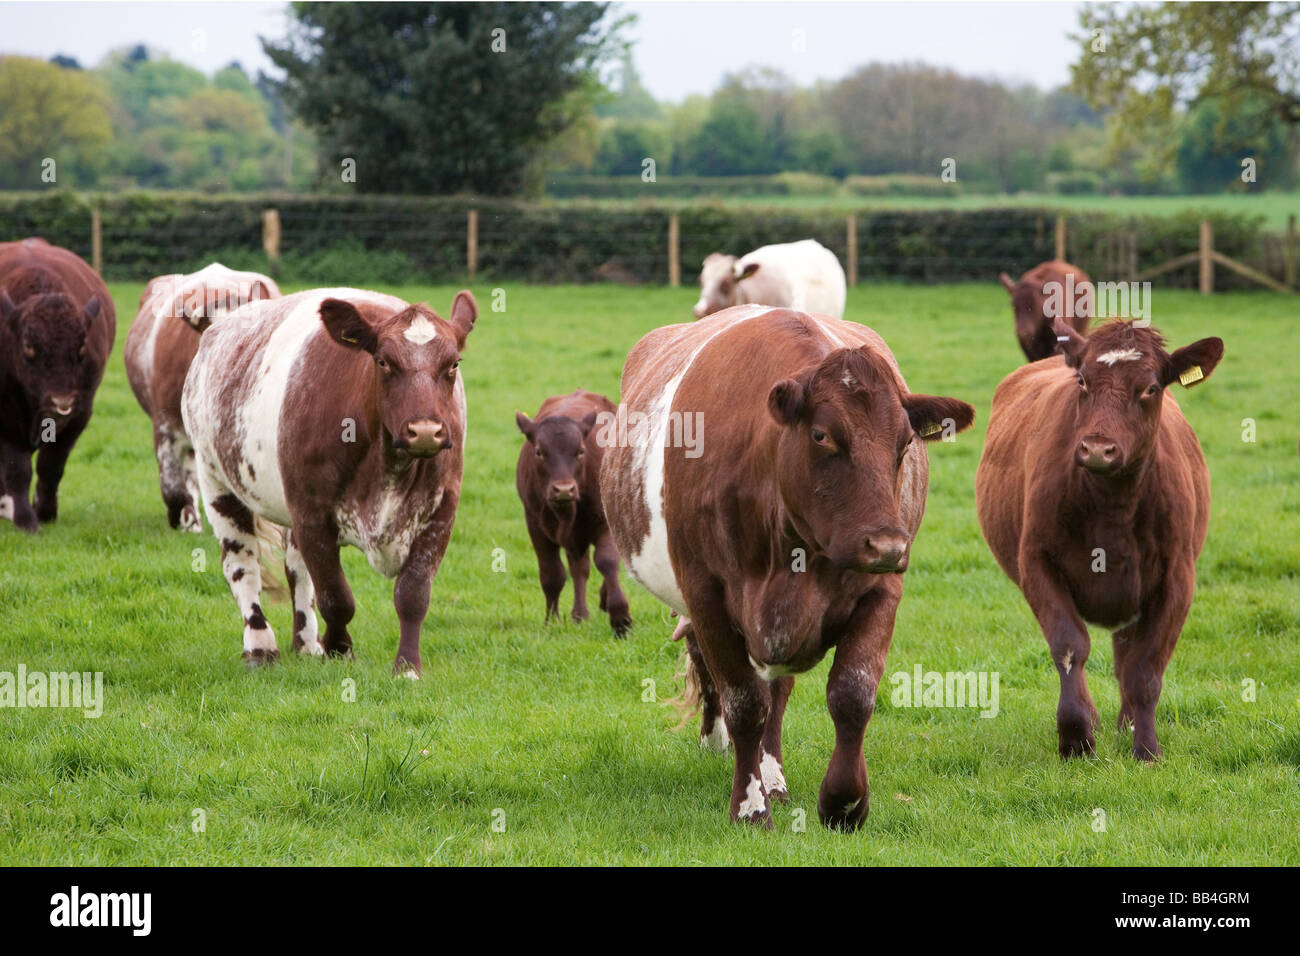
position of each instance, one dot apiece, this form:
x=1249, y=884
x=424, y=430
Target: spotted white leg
x=305, y=639
x=190, y=520
x=233, y=524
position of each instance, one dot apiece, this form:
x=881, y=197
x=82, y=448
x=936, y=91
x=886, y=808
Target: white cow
x=802, y=275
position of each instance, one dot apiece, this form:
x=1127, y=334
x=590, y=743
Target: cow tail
x=270, y=550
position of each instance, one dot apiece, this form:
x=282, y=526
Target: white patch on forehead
x=848, y=380
x=420, y=331
x=1119, y=355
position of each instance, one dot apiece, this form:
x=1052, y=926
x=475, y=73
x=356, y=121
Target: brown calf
x=1032, y=303
x=558, y=479
x=1094, y=497
x=783, y=530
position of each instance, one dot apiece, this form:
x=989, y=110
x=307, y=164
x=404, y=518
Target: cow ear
x=746, y=271
x=524, y=424
x=1069, y=342
x=1193, y=363
x=1008, y=283
x=786, y=401
x=588, y=423
x=91, y=309
x=347, y=326
x=263, y=289
x=7, y=307
x=934, y=417
x=464, y=312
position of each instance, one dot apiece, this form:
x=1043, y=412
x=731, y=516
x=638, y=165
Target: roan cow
x=802, y=275
x=1094, y=497
x=339, y=414
x=785, y=532
x=1031, y=302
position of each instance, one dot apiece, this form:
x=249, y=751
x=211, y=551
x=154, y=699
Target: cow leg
x=1067, y=639
x=317, y=541
x=1142, y=653
x=713, y=729
x=411, y=593
x=305, y=639
x=51, y=459
x=549, y=568
x=15, y=486
x=772, y=763
x=232, y=522
x=845, y=797
x=190, y=520
x=612, y=598
x=745, y=699
x=580, y=569
x=176, y=477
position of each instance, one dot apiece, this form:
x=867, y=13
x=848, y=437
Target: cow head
x=213, y=292
x=720, y=283
x=416, y=356
x=846, y=428
x=559, y=456
x=1122, y=373
x=53, y=363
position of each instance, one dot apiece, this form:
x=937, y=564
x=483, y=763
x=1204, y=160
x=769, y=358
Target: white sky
x=680, y=48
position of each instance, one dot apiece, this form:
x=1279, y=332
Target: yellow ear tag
x=931, y=429
x=1191, y=376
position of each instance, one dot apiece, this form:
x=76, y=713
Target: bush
x=900, y=185
x=1075, y=183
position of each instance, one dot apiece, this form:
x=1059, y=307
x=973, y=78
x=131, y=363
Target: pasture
x=545, y=729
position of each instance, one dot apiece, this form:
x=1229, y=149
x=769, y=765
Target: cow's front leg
x=232, y=522
x=550, y=569
x=411, y=592
x=772, y=763
x=15, y=486
x=51, y=460
x=1142, y=653
x=305, y=629
x=612, y=598
x=580, y=570
x=845, y=796
x=317, y=542
x=744, y=695
x=1067, y=639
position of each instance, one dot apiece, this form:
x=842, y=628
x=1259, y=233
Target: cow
x=1094, y=497
x=340, y=415
x=802, y=275
x=174, y=310
x=558, y=480
x=57, y=326
x=1032, y=299
x=784, y=531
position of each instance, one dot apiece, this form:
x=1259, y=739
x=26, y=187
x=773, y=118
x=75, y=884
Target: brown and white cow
x=558, y=480
x=1037, y=303
x=1094, y=497
x=340, y=414
x=783, y=530
x=174, y=309
x=802, y=275
x=57, y=325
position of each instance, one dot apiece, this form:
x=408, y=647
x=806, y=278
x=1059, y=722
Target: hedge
x=332, y=239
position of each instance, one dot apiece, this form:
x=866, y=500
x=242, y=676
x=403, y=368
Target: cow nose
x=564, y=492
x=426, y=438
x=1097, y=453
x=700, y=310
x=63, y=404
x=886, y=551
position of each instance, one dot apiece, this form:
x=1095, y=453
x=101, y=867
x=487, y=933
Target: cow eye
x=581, y=451
x=819, y=436
x=451, y=372
x=1152, y=390
x=383, y=364
x=1082, y=384
x=29, y=351
x=540, y=453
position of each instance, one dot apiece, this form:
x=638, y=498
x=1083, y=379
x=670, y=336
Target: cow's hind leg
x=612, y=598
x=772, y=764
x=713, y=729
x=232, y=522
x=305, y=639
x=171, y=473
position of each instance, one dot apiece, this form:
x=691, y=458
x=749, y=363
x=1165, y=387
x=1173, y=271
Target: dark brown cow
x=782, y=529
x=558, y=480
x=1094, y=497
x=1072, y=298
x=174, y=309
x=57, y=325
x=341, y=414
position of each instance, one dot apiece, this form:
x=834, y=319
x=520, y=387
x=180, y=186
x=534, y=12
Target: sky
x=679, y=48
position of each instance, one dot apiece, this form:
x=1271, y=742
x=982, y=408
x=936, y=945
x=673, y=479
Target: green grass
x=547, y=724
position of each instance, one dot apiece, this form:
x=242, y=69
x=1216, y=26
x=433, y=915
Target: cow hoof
x=773, y=778
x=839, y=814
x=622, y=626
x=1076, y=747
x=27, y=523
x=1147, y=753
x=313, y=649
x=715, y=739
x=407, y=670
x=259, y=657
x=579, y=618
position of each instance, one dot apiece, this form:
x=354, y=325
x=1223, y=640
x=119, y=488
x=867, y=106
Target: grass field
x=544, y=729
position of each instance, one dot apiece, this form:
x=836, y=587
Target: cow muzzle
x=563, y=494
x=63, y=405
x=881, y=552
x=1098, y=454
x=423, y=438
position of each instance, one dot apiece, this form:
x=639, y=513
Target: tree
x=1151, y=64
x=49, y=113
x=439, y=97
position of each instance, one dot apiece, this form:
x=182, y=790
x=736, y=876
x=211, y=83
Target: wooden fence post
x=271, y=234
x=674, y=251
x=1289, y=263
x=852, y=254
x=1207, y=257
x=471, y=245
x=1060, y=237
x=96, y=240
